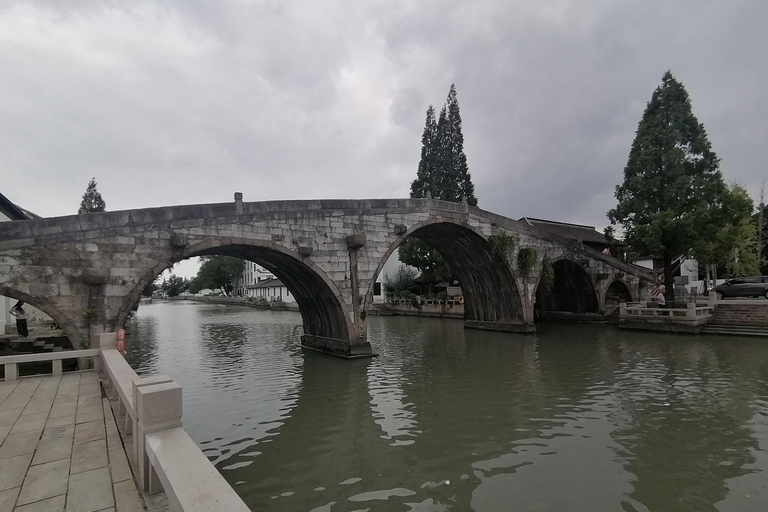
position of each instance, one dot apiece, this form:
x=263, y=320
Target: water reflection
x=576, y=417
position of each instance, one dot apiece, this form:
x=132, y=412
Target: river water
x=576, y=417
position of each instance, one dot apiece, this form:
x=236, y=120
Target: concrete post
x=106, y=341
x=622, y=309
x=158, y=407
x=239, y=208
x=136, y=384
x=691, y=310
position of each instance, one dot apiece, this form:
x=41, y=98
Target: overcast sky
x=181, y=102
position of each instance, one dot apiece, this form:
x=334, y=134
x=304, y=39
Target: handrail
x=10, y=363
x=167, y=459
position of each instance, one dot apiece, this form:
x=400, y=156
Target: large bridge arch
x=46, y=307
x=573, y=290
x=492, y=298
x=323, y=312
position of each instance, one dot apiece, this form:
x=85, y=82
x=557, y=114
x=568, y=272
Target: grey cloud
x=186, y=102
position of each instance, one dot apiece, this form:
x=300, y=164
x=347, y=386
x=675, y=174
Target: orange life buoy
x=461, y=299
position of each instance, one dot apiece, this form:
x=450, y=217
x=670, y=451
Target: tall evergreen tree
x=673, y=188
x=92, y=201
x=444, y=174
x=424, y=182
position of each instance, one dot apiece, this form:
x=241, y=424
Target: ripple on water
x=648, y=419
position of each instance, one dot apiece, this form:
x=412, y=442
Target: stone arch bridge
x=88, y=271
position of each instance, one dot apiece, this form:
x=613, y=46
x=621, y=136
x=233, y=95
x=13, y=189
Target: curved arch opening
x=320, y=305
x=489, y=289
x=57, y=316
x=617, y=293
x=572, y=291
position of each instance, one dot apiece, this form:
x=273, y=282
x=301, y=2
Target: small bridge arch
x=491, y=293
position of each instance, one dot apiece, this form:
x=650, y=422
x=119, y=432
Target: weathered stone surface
x=54, y=264
x=96, y=276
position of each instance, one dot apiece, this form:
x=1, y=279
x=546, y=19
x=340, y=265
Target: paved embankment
x=60, y=447
x=739, y=318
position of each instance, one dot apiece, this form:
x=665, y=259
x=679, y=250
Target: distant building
x=271, y=290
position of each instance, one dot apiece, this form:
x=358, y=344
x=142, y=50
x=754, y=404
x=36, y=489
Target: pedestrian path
x=60, y=449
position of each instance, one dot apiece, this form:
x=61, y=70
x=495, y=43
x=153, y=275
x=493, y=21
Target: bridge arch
x=43, y=305
x=322, y=308
x=573, y=291
x=616, y=292
x=491, y=293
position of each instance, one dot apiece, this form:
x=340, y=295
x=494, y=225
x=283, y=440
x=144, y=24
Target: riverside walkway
x=61, y=449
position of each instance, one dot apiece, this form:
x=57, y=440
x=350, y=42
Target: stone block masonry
x=88, y=271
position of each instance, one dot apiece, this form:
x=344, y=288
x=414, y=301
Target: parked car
x=754, y=286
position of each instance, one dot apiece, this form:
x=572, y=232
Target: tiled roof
x=13, y=211
x=577, y=232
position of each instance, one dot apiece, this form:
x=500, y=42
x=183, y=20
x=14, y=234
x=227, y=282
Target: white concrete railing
x=691, y=312
x=11, y=363
x=167, y=459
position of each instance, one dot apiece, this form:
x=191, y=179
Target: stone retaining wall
x=741, y=312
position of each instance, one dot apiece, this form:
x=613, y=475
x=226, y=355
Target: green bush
x=526, y=259
x=547, y=275
x=502, y=245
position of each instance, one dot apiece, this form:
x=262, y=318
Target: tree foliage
x=150, y=289
x=174, y=285
x=443, y=174
x=217, y=273
x=403, y=282
x=92, y=201
x=731, y=239
x=673, y=188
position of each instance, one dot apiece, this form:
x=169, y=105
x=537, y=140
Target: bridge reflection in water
x=576, y=417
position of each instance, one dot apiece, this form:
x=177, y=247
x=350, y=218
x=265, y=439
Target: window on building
x=377, y=288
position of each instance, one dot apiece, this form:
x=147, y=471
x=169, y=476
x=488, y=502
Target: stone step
x=725, y=331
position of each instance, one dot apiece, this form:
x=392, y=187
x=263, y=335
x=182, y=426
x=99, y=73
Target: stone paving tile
x=53, y=449
x=12, y=471
x=90, y=491
x=63, y=409
x=6, y=388
x=37, y=405
x=58, y=432
x=9, y=416
x=29, y=423
x=127, y=497
x=88, y=456
x=90, y=413
x=19, y=444
x=55, y=504
x=118, y=465
x=89, y=400
x=8, y=499
x=85, y=432
x=60, y=421
x=21, y=395
x=4, y=432
x=45, y=481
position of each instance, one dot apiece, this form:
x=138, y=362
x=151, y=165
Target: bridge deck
x=61, y=449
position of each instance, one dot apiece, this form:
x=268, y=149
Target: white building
x=271, y=290
x=258, y=282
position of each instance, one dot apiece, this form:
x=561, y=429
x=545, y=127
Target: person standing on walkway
x=21, y=319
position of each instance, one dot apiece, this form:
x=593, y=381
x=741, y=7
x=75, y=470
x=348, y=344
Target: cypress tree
x=425, y=173
x=92, y=201
x=443, y=172
x=673, y=189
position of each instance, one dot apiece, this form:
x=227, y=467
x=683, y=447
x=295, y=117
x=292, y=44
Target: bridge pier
x=336, y=347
